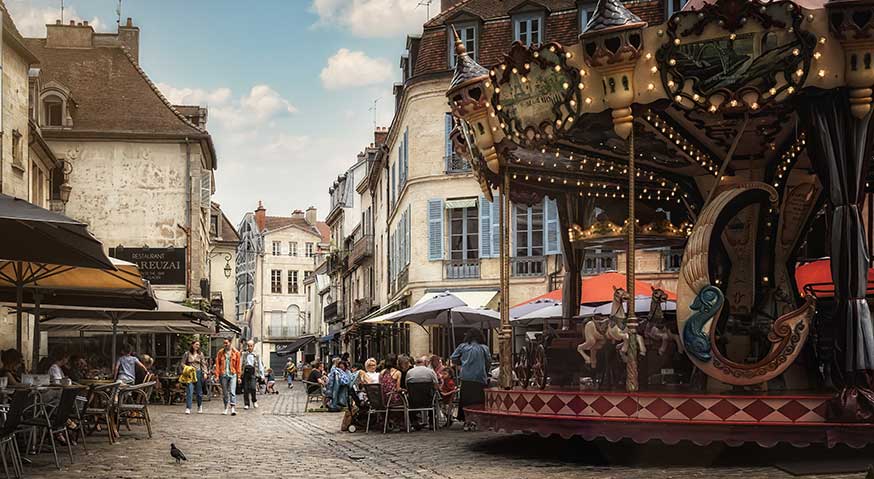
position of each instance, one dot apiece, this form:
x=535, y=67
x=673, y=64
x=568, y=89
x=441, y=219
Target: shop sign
x=157, y=265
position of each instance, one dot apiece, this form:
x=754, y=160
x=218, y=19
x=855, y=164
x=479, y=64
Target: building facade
x=222, y=264
x=275, y=257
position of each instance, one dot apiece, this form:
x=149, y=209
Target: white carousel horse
x=599, y=330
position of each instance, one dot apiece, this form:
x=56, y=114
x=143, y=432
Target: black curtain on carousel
x=571, y=209
x=840, y=148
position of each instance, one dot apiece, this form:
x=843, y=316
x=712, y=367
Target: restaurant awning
x=475, y=299
x=294, y=346
x=382, y=315
x=133, y=326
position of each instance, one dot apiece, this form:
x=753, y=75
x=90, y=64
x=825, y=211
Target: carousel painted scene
x=738, y=131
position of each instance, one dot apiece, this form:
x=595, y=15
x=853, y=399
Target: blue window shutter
x=409, y=235
x=496, y=226
x=485, y=228
x=551, y=240
x=406, y=154
x=448, y=122
x=394, y=185
x=435, y=229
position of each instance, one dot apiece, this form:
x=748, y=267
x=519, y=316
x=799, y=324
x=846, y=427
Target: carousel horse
x=655, y=328
x=600, y=329
x=699, y=303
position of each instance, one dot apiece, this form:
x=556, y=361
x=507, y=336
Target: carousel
x=739, y=131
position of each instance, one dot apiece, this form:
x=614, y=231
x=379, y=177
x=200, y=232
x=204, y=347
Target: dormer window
x=586, y=11
x=467, y=33
x=53, y=108
x=673, y=6
x=528, y=29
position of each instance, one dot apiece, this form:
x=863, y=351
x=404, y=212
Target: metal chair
x=317, y=396
x=19, y=402
x=101, y=406
x=422, y=397
x=56, y=423
x=380, y=404
x=133, y=403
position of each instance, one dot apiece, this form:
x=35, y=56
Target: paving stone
x=279, y=440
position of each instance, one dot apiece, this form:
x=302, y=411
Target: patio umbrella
x=599, y=289
x=37, y=244
x=549, y=312
x=641, y=305
x=527, y=308
x=427, y=309
x=169, y=317
x=466, y=316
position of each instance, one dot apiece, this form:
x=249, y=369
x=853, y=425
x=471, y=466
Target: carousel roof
x=466, y=69
x=611, y=14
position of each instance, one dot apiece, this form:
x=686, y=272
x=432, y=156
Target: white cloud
x=354, y=69
x=31, y=19
x=260, y=105
x=374, y=18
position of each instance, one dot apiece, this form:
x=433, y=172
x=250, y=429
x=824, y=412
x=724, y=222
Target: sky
x=290, y=84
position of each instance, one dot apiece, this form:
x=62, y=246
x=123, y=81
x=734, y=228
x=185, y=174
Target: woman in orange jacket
x=227, y=369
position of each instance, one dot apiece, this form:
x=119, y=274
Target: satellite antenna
x=62, y=11
x=373, y=109
x=427, y=5
x=118, y=13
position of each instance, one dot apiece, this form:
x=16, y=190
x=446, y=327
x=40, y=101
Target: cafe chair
x=101, y=407
x=422, y=397
x=17, y=405
x=56, y=422
x=133, y=404
x=317, y=396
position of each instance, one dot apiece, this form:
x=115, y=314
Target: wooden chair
x=101, y=406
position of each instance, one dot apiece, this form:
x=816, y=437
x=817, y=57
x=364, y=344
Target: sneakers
x=225, y=412
x=255, y=405
x=187, y=411
x=233, y=410
x=246, y=407
x=199, y=409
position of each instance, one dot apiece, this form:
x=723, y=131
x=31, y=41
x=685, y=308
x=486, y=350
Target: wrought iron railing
x=671, y=260
x=281, y=331
x=528, y=265
x=599, y=262
x=461, y=269
x=362, y=249
x=361, y=306
x=456, y=164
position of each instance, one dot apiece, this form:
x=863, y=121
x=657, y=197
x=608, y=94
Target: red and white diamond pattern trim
x=687, y=408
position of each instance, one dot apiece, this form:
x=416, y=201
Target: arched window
x=53, y=110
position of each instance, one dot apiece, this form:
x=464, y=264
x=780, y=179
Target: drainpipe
x=187, y=228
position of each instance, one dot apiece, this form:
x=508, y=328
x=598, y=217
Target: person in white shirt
x=56, y=371
x=421, y=373
x=252, y=370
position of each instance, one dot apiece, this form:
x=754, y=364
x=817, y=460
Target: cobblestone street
x=278, y=440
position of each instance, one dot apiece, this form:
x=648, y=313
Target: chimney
x=311, y=215
x=297, y=215
x=74, y=35
x=380, y=135
x=447, y=4
x=129, y=37
x=261, y=216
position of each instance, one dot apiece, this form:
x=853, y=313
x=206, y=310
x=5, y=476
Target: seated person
x=421, y=373
x=56, y=370
x=78, y=368
x=12, y=361
x=316, y=378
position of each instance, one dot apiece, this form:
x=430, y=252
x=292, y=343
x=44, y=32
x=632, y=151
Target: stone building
x=140, y=170
x=28, y=168
x=276, y=255
x=222, y=263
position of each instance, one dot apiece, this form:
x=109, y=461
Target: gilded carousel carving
x=725, y=132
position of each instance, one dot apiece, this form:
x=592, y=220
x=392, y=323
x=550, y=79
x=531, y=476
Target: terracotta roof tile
x=110, y=92
x=321, y=228
x=493, y=9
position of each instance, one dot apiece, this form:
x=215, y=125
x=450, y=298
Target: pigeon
x=177, y=454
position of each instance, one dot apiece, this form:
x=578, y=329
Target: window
x=54, y=111
x=292, y=282
x=454, y=163
x=277, y=248
x=467, y=33
x=307, y=274
x=463, y=235
x=16, y=149
x=586, y=11
x=528, y=30
x=276, y=281
x=529, y=230
x=310, y=250
x=292, y=248
x=213, y=225
x=674, y=6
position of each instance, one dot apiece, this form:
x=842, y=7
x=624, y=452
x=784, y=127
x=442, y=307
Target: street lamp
x=228, y=268
x=65, y=188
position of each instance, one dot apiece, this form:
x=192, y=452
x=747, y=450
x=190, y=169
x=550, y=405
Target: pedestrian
x=253, y=370
x=126, y=366
x=227, y=368
x=474, y=358
x=194, y=358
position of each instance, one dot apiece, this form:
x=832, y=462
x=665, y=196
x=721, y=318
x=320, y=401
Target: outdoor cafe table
x=167, y=383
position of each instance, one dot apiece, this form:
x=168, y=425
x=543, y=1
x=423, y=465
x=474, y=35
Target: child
x=271, y=381
x=447, y=388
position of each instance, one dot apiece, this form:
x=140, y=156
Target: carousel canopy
x=599, y=289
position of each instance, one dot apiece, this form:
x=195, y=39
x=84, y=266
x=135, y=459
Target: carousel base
x=765, y=419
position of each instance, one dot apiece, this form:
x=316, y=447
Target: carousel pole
x=631, y=379
x=505, y=337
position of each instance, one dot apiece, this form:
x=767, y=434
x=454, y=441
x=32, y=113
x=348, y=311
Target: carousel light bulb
x=573, y=103
x=676, y=41
x=732, y=36
x=817, y=55
x=712, y=108
x=820, y=73
x=772, y=91
x=695, y=97
x=755, y=106
x=565, y=85
x=581, y=85
x=497, y=90
x=588, y=101
x=524, y=80
x=796, y=52
x=527, y=66
x=791, y=90
x=503, y=66
x=558, y=68
x=672, y=61
x=654, y=69
x=514, y=176
x=552, y=49
x=536, y=54
x=671, y=83
x=733, y=103
x=569, y=55
x=648, y=56
x=570, y=119
x=499, y=107
x=678, y=99
x=822, y=40
x=515, y=70
x=799, y=72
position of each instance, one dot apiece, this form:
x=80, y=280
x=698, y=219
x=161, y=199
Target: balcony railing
x=671, y=260
x=361, y=306
x=362, y=249
x=281, y=331
x=456, y=164
x=528, y=266
x=337, y=262
x=597, y=263
x=461, y=269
